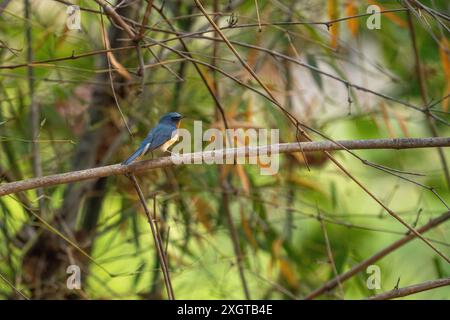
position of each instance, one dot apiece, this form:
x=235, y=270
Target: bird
x=160, y=137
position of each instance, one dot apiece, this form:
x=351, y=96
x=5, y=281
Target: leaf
x=308, y=184
x=119, y=67
x=203, y=211
x=316, y=76
x=112, y=59
x=444, y=53
x=276, y=247
x=288, y=273
x=333, y=28
x=390, y=15
x=248, y=230
x=243, y=177
x=352, y=10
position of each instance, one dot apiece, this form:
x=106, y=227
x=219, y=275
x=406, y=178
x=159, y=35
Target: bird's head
x=171, y=118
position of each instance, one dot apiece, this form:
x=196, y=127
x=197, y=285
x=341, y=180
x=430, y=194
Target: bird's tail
x=136, y=154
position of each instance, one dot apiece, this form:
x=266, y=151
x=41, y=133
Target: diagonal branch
x=299, y=128
x=157, y=239
x=406, y=291
x=116, y=18
x=377, y=256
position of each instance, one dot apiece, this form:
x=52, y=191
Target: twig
x=424, y=95
x=111, y=80
x=34, y=109
x=116, y=18
x=141, y=166
x=377, y=256
x=156, y=239
x=406, y=291
x=17, y=291
x=234, y=237
x=148, y=10
x=330, y=253
x=299, y=127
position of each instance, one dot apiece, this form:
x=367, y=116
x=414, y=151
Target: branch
x=116, y=18
x=406, y=291
x=377, y=256
x=156, y=238
x=141, y=166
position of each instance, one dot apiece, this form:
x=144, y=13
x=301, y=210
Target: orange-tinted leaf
x=401, y=123
x=244, y=179
x=248, y=230
x=390, y=15
x=203, y=212
x=276, y=247
x=352, y=10
x=288, y=273
x=334, y=28
x=112, y=59
x=444, y=53
x=302, y=182
x=387, y=121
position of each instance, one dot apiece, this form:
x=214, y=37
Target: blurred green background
x=276, y=217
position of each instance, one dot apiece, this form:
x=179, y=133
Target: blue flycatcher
x=160, y=137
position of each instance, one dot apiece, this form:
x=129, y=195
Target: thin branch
x=299, y=128
x=116, y=18
x=141, y=166
x=330, y=253
x=16, y=290
x=226, y=191
x=406, y=291
x=156, y=238
x=377, y=256
x=34, y=108
x=424, y=95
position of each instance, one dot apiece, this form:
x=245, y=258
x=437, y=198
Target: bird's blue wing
x=155, y=138
x=159, y=135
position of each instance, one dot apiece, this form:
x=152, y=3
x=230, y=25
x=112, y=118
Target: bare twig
x=11, y=285
x=330, y=253
x=157, y=239
x=406, y=291
x=234, y=237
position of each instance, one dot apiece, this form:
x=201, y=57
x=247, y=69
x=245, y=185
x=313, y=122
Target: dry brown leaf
x=203, y=212
x=308, y=184
x=352, y=10
x=387, y=121
x=444, y=54
x=243, y=177
x=402, y=123
x=112, y=59
x=288, y=273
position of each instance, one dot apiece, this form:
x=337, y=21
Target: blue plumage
x=157, y=136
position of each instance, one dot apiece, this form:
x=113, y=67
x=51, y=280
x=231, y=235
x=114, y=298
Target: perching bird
x=162, y=136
